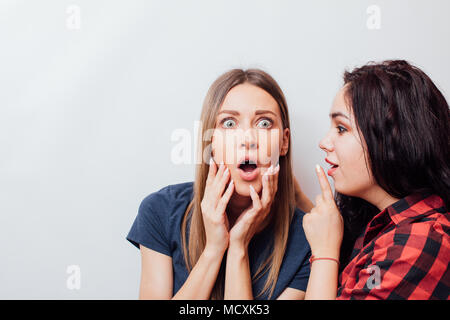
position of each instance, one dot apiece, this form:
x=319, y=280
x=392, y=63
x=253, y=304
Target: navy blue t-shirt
x=158, y=224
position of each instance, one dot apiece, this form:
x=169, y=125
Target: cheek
x=224, y=148
x=217, y=149
x=353, y=176
x=269, y=147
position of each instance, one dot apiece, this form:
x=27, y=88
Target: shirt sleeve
x=300, y=280
x=150, y=226
x=409, y=266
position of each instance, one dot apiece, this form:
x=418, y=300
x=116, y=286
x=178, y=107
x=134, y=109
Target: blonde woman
x=235, y=232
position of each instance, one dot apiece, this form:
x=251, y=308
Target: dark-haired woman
x=389, y=152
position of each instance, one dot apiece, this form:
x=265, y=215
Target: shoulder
x=298, y=215
x=436, y=219
x=424, y=231
x=297, y=221
x=428, y=218
x=417, y=218
x=297, y=238
x=159, y=216
x=167, y=205
x=168, y=197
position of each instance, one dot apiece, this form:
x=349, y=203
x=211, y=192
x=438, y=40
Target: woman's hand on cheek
x=324, y=226
x=213, y=207
x=251, y=219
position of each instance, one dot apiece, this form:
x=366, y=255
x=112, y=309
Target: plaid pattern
x=407, y=248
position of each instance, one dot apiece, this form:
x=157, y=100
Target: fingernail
x=226, y=171
x=251, y=187
x=210, y=161
x=231, y=182
x=317, y=168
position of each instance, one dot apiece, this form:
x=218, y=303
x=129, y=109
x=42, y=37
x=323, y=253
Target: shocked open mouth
x=248, y=170
x=248, y=166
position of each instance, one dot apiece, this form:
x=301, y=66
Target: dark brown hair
x=404, y=120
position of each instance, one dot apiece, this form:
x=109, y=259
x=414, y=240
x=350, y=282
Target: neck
x=239, y=204
x=236, y=206
x=379, y=198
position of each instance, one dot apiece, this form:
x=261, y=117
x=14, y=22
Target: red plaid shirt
x=403, y=254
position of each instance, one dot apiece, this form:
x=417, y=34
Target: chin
x=350, y=192
x=242, y=188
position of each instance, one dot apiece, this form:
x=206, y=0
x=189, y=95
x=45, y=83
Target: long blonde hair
x=283, y=206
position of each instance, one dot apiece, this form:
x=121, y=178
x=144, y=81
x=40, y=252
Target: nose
x=326, y=144
x=249, y=139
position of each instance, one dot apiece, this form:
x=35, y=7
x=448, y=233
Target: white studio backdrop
x=92, y=91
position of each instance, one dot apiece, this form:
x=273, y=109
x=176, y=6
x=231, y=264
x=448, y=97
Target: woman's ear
x=285, y=142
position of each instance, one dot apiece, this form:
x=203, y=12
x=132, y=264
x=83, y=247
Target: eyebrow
x=338, y=114
x=256, y=112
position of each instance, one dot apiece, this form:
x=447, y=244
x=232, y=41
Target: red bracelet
x=312, y=259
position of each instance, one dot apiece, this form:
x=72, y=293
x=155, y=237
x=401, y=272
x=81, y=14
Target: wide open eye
x=228, y=123
x=264, y=123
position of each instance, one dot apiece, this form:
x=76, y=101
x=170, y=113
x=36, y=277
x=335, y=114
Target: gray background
x=86, y=115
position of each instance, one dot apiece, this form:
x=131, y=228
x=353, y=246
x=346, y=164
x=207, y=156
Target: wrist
x=313, y=259
x=332, y=254
x=238, y=249
x=213, y=253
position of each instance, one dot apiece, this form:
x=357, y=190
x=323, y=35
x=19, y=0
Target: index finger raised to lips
x=324, y=184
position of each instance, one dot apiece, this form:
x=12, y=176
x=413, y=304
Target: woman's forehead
x=248, y=99
x=340, y=105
